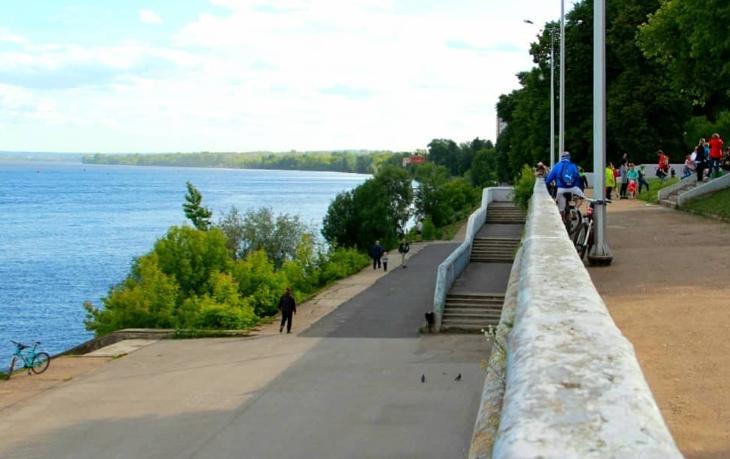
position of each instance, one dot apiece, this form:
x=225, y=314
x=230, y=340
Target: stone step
x=668, y=203
x=464, y=329
x=492, y=259
x=453, y=306
x=476, y=296
x=470, y=315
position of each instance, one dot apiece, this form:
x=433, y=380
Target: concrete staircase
x=505, y=213
x=494, y=250
x=471, y=312
x=671, y=199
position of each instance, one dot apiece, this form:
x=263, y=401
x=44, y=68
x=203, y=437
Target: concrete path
x=349, y=387
x=668, y=292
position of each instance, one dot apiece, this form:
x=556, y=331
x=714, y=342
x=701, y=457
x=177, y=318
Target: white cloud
x=149, y=17
x=302, y=74
x=6, y=36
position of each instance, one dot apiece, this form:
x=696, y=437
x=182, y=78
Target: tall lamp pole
x=561, y=140
x=599, y=254
x=552, y=97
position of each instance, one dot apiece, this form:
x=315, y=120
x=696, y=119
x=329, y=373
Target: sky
x=254, y=75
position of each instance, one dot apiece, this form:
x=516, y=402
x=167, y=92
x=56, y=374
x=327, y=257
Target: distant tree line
x=361, y=162
x=448, y=188
x=667, y=84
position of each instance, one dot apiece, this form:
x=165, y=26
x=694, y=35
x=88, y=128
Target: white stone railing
x=707, y=188
x=450, y=269
x=574, y=388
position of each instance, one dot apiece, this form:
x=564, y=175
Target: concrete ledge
x=490, y=407
x=710, y=187
x=666, y=191
x=574, y=388
x=454, y=264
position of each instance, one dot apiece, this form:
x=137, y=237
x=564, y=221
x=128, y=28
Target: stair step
x=472, y=307
x=449, y=316
x=475, y=297
x=492, y=260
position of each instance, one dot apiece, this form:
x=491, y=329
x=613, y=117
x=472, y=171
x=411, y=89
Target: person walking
x=403, y=248
x=632, y=175
x=288, y=308
x=623, y=169
x=716, y=144
x=376, y=252
x=642, y=180
x=384, y=259
x=610, y=181
x=700, y=160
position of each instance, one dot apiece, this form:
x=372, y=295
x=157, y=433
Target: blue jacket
x=558, y=173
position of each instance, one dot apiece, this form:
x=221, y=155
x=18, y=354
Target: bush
x=429, y=230
x=340, y=263
x=524, y=186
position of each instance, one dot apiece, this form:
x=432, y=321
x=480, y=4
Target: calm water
x=70, y=231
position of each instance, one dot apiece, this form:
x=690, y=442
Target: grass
x=655, y=185
x=714, y=205
x=3, y=376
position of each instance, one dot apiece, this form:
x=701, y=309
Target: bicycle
x=37, y=362
x=583, y=237
x=572, y=217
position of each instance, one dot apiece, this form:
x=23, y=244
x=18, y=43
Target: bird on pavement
x=458, y=377
x=423, y=378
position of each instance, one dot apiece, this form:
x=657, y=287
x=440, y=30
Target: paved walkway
x=348, y=387
x=668, y=292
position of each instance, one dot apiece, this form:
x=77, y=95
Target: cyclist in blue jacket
x=567, y=177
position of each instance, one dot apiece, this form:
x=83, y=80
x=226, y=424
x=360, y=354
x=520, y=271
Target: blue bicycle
x=37, y=362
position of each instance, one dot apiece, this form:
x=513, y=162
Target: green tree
x=190, y=256
x=484, y=168
x=147, y=298
x=278, y=236
x=687, y=39
x=375, y=210
x=194, y=211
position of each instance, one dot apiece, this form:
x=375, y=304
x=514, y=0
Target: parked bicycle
x=34, y=361
x=583, y=237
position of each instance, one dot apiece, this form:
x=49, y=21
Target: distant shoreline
x=347, y=162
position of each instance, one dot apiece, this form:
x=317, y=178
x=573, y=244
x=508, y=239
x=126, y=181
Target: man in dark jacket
x=288, y=307
x=377, y=253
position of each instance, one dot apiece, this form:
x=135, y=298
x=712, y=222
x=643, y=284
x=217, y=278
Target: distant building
x=501, y=125
x=417, y=158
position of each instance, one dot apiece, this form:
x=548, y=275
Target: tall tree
x=194, y=211
x=689, y=39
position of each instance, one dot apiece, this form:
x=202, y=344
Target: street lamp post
x=599, y=254
x=561, y=140
x=552, y=97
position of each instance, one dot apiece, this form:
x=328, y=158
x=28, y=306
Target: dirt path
x=668, y=292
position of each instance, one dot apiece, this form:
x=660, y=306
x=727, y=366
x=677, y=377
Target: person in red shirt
x=662, y=168
x=715, y=154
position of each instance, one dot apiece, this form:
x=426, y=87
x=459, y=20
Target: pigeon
x=458, y=377
x=423, y=378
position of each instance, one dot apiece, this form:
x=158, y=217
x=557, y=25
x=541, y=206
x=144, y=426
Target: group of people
x=707, y=156
x=628, y=179
x=380, y=255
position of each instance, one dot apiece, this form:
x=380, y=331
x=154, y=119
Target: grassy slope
x=716, y=204
x=655, y=185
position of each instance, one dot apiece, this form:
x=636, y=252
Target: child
x=384, y=260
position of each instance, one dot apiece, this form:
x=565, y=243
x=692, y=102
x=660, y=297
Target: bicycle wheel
x=575, y=220
x=40, y=362
x=579, y=239
x=12, y=367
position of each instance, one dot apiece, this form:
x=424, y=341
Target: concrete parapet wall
x=574, y=388
x=666, y=191
x=490, y=407
x=709, y=187
x=454, y=264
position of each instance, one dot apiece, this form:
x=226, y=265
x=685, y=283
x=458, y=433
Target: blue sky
x=244, y=75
